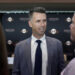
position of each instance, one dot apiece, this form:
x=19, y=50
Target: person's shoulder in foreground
x=70, y=69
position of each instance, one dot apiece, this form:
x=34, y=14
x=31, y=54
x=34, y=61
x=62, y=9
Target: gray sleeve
x=16, y=65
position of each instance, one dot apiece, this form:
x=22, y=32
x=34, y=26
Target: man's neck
x=38, y=37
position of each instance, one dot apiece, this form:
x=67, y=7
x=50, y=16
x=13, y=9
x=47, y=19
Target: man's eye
x=38, y=21
x=44, y=20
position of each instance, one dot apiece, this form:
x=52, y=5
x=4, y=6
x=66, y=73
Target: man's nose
x=42, y=23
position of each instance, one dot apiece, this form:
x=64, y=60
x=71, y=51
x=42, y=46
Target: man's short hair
x=38, y=10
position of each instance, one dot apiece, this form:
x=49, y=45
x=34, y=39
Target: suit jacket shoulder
x=23, y=46
x=53, y=40
x=23, y=42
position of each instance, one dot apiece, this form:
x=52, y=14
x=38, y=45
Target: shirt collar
x=42, y=39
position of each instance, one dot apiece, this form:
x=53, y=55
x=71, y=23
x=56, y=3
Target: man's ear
x=30, y=24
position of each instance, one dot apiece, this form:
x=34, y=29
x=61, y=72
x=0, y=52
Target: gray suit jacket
x=70, y=69
x=22, y=61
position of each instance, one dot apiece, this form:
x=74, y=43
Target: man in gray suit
x=25, y=51
x=70, y=69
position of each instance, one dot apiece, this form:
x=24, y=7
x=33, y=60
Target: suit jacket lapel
x=49, y=56
x=29, y=62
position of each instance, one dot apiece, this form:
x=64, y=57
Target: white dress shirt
x=44, y=53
